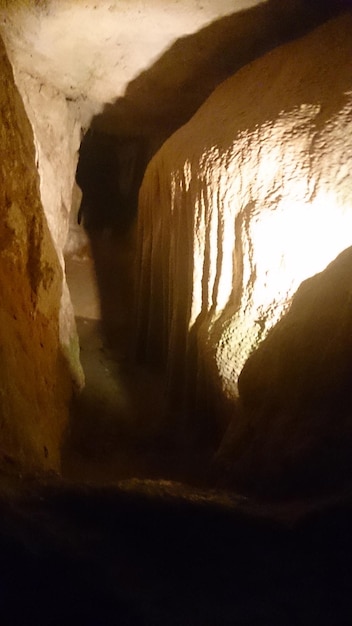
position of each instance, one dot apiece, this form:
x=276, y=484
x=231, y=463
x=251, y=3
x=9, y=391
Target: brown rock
x=34, y=382
x=293, y=432
x=242, y=204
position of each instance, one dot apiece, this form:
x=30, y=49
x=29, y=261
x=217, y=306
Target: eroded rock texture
x=293, y=431
x=34, y=381
x=242, y=204
x=56, y=123
x=56, y=133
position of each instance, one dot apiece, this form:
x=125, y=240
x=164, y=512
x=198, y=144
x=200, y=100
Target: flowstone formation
x=34, y=379
x=241, y=205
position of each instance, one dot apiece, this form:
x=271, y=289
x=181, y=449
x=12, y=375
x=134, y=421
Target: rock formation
x=124, y=60
x=293, y=429
x=267, y=153
x=56, y=131
x=241, y=205
x=34, y=380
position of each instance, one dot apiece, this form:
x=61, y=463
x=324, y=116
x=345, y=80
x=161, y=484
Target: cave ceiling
x=140, y=65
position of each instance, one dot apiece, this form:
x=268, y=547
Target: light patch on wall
x=281, y=249
x=297, y=241
x=198, y=260
x=269, y=212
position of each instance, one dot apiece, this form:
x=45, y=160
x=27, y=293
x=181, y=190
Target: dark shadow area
x=122, y=424
x=109, y=172
x=155, y=554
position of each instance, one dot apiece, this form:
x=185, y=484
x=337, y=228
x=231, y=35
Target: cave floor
x=119, y=422
x=116, y=421
x=158, y=553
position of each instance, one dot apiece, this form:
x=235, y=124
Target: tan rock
x=34, y=380
x=242, y=204
x=293, y=429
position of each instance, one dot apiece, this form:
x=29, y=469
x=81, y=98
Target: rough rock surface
x=56, y=132
x=293, y=429
x=242, y=204
x=34, y=380
x=156, y=63
x=157, y=553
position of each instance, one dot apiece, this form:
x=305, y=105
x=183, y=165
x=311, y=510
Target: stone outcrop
x=57, y=124
x=241, y=205
x=293, y=429
x=34, y=379
x=56, y=131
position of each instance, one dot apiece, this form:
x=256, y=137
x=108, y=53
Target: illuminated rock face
x=242, y=204
x=34, y=380
x=56, y=132
x=156, y=62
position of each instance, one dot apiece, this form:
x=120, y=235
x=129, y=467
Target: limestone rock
x=241, y=205
x=34, y=380
x=293, y=431
x=145, y=68
x=57, y=136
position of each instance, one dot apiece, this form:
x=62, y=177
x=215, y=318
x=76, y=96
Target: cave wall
x=57, y=134
x=242, y=204
x=293, y=429
x=35, y=383
x=56, y=123
x=146, y=69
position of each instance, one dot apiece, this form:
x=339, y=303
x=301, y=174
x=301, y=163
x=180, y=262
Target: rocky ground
x=158, y=553
x=119, y=422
